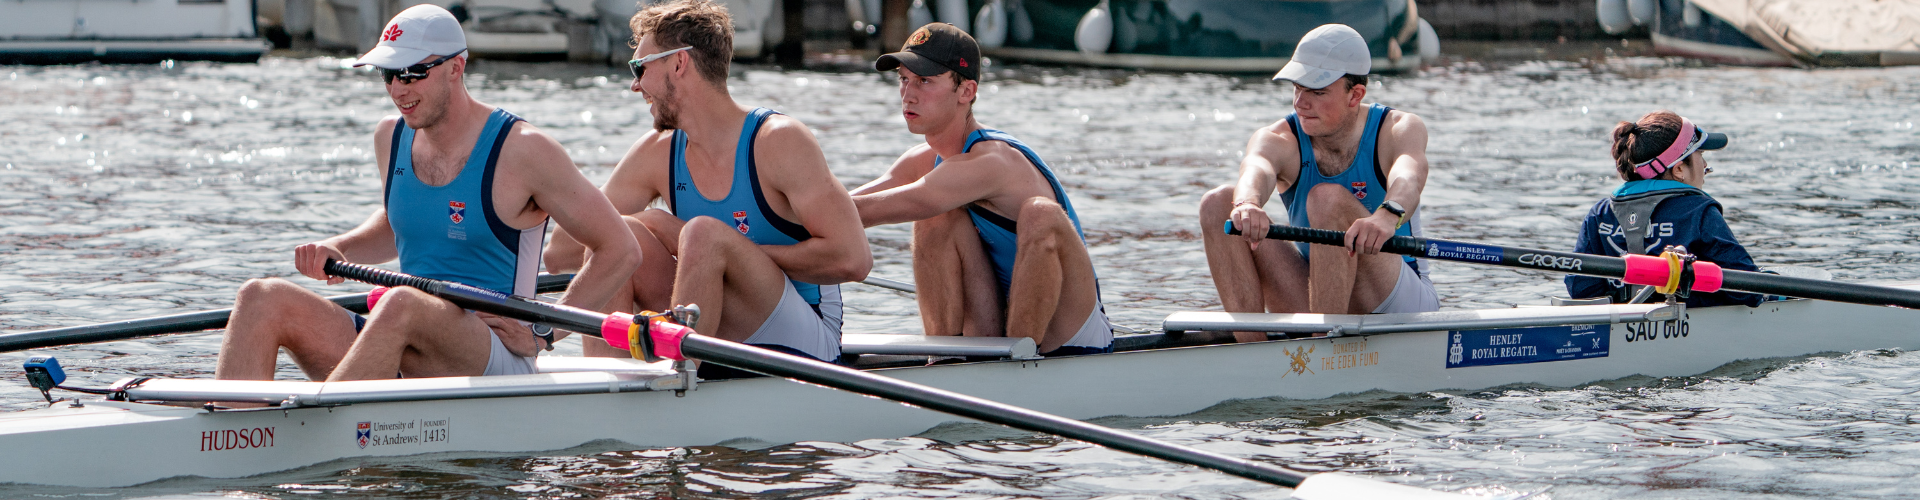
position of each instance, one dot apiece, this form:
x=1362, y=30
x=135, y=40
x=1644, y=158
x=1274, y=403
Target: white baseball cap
x=1326, y=54
x=414, y=34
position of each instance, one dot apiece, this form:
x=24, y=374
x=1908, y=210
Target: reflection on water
x=130, y=191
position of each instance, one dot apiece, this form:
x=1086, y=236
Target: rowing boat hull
x=155, y=442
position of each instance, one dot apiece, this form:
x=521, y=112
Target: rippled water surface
x=130, y=191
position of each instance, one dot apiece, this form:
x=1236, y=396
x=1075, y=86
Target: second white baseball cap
x=1326, y=54
x=414, y=34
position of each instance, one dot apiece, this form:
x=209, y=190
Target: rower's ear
x=1355, y=94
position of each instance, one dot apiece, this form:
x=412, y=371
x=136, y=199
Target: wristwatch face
x=1394, y=207
x=541, y=330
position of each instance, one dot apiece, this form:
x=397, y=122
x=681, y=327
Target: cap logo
x=963, y=63
x=393, y=33
x=919, y=37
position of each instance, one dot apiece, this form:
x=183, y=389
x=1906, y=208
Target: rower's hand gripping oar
x=674, y=341
x=1671, y=273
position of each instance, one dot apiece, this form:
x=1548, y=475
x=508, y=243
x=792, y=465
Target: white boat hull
x=156, y=442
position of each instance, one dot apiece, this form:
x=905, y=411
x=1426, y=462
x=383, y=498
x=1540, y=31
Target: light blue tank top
x=450, y=232
x=1367, y=184
x=998, y=233
x=745, y=206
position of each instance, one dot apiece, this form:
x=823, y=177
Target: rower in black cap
x=997, y=247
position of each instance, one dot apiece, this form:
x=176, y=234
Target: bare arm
x=557, y=187
x=1260, y=175
x=964, y=179
x=909, y=167
x=634, y=184
x=1404, y=145
x=837, y=252
x=369, y=243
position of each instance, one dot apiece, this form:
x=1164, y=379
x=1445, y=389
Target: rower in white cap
x=469, y=189
x=1338, y=164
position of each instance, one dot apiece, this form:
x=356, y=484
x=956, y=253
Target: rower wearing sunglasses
x=1662, y=203
x=757, y=231
x=469, y=189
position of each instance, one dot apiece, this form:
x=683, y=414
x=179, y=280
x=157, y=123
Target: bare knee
x=704, y=234
x=266, y=290
x=1216, y=205
x=941, y=228
x=407, y=301
x=1327, y=201
x=1044, y=226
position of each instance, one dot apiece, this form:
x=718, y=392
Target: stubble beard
x=432, y=108
x=669, y=116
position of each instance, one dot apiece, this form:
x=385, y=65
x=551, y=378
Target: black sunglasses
x=415, y=72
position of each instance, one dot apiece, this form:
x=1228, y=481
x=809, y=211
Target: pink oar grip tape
x=374, y=295
x=1653, y=271
x=614, y=329
x=1706, y=277
x=666, y=339
x=1646, y=270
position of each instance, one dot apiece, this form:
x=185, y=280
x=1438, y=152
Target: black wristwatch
x=544, y=332
x=1393, y=207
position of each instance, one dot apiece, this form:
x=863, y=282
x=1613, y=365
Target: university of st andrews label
x=402, y=432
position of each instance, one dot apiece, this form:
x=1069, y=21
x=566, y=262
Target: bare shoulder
x=1401, y=125
x=920, y=156
x=994, y=155
x=1274, y=134
x=528, y=147
x=782, y=133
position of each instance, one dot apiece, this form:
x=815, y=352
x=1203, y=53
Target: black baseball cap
x=934, y=49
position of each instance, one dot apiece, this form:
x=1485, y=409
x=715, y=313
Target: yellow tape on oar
x=1674, y=266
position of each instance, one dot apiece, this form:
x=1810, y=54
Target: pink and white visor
x=1691, y=139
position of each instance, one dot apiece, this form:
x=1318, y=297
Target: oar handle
x=1402, y=245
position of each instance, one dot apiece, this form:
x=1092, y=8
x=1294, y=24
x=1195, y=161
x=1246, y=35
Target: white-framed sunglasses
x=639, y=66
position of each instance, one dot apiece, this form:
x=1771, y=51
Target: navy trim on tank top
x=792, y=230
x=393, y=158
x=507, y=235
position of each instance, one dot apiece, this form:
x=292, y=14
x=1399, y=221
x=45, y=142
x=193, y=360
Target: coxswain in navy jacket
x=1685, y=216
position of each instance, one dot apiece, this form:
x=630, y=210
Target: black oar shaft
x=476, y=298
x=838, y=377
x=181, y=323
x=1603, y=266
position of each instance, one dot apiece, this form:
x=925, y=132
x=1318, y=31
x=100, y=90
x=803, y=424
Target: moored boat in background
x=115, y=31
x=1774, y=32
x=1237, y=36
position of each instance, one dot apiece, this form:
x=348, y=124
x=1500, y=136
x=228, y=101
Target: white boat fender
x=1095, y=31
x=1613, y=16
x=1641, y=11
x=991, y=25
x=1429, y=43
x=952, y=12
x=918, y=15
